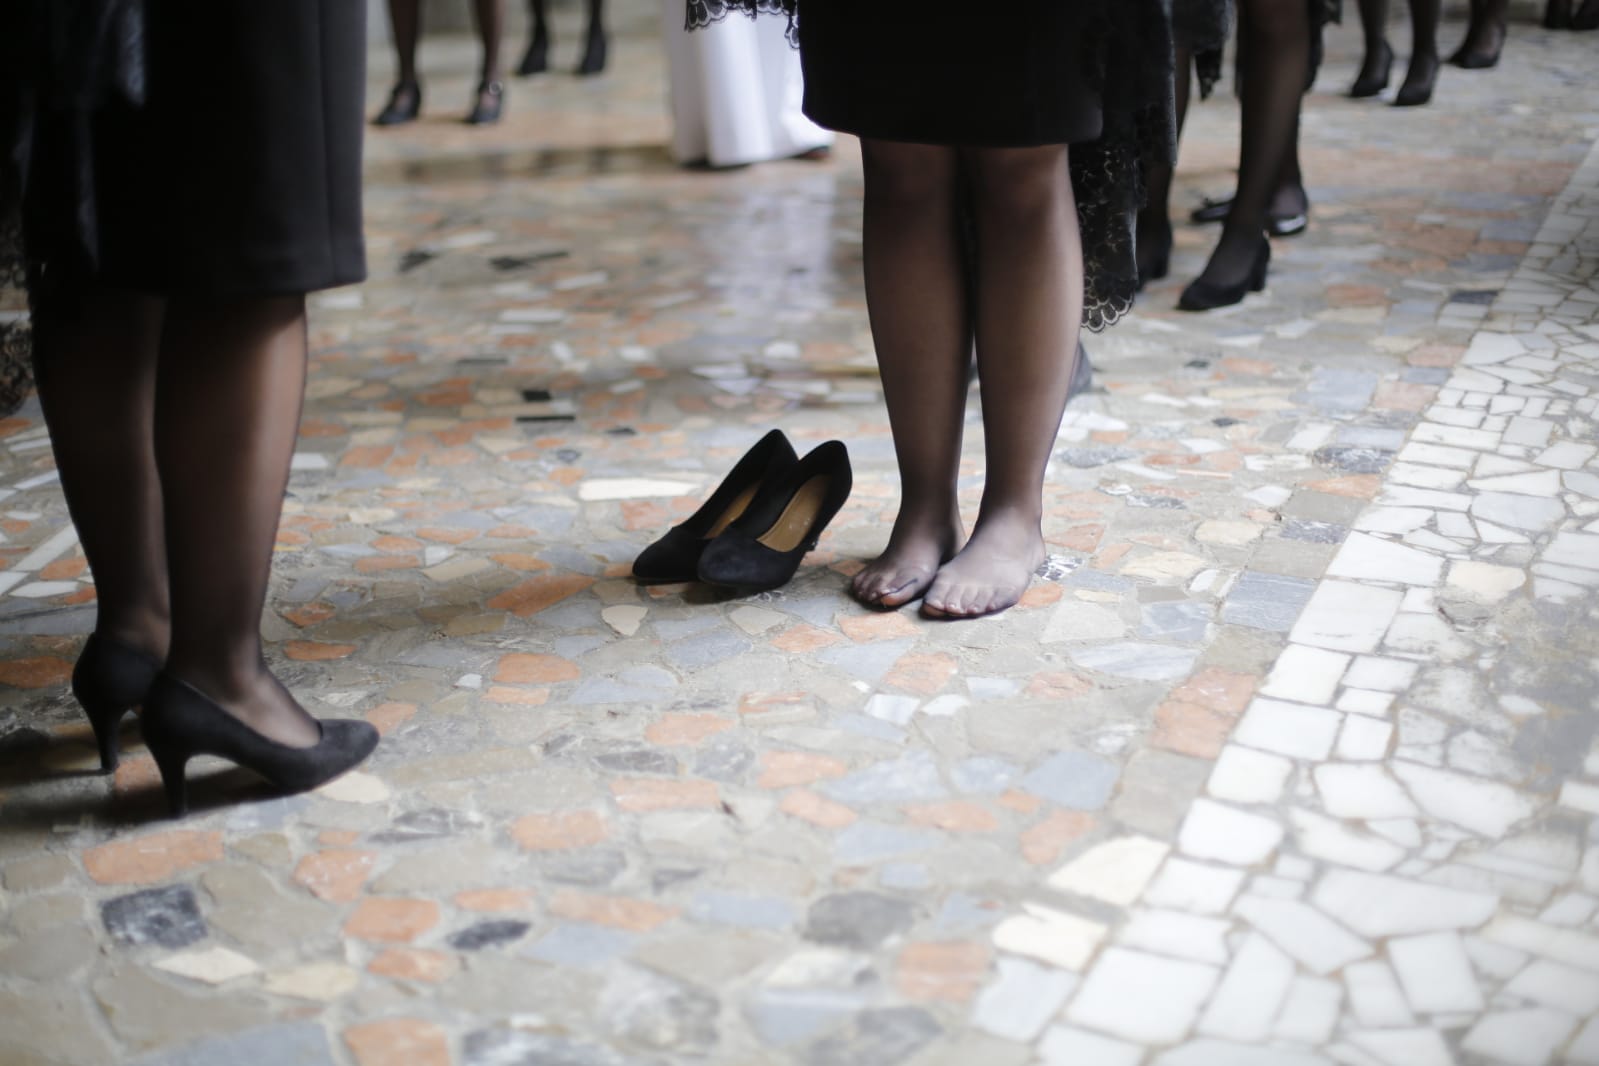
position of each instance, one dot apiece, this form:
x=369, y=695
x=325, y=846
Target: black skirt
x=235, y=166
x=1011, y=75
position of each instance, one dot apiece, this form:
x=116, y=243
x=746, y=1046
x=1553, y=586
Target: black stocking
x=1275, y=47
x=95, y=364
x=406, y=18
x=594, y=48
x=1423, y=70
x=1485, y=36
x=917, y=300
x=1378, y=58
x=231, y=382
x=1154, y=221
x=490, y=17
x=536, y=60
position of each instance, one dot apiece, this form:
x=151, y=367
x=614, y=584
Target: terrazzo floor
x=1289, y=758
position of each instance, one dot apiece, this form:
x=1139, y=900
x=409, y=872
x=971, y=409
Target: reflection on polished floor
x=1289, y=760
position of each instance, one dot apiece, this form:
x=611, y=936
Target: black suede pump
x=109, y=681
x=180, y=722
x=1202, y=295
x=763, y=548
x=676, y=556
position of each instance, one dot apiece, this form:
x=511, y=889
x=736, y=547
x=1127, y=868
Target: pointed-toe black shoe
x=676, y=556
x=1202, y=295
x=763, y=548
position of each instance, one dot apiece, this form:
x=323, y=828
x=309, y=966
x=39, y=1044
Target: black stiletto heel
x=405, y=103
x=109, y=681
x=676, y=556
x=180, y=722
x=487, y=114
x=1370, y=86
x=763, y=548
x=1202, y=295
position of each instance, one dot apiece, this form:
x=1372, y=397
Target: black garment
x=203, y=147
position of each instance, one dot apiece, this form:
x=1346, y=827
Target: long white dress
x=736, y=92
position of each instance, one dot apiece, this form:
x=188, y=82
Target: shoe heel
x=171, y=764
x=105, y=721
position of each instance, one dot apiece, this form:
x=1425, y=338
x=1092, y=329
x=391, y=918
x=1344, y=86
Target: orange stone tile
x=923, y=674
x=337, y=838
x=1404, y=396
x=955, y=816
x=879, y=625
x=387, y=717
x=83, y=595
x=1020, y=802
x=309, y=614
x=495, y=900
x=1192, y=728
x=40, y=671
x=784, y=769
x=520, y=561
x=525, y=697
x=136, y=773
x=765, y=702
x=414, y=964
x=336, y=875
x=539, y=593
x=685, y=730
x=1043, y=843
x=397, y=545
x=1354, y=486
x=1058, y=686
x=818, y=810
x=1435, y=355
x=65, y=569
x=522, y=668
x=378, y=564
x=618, y=912
x=559, y=831
x=309, y=651
x=390, y=919
x=948, y=972
x=367, y=456
x=151, y=859
x=447, y=536
x=1041, y=594
x=803, y=638
x=1111, y=556
x=639, y=794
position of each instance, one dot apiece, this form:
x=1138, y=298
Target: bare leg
x=595, y=46
x=921, y=325
x=1379, y=59
x=1154, y=221
x=228, y=396
x=536, y=60
x=1029, y=310
x=96, y=370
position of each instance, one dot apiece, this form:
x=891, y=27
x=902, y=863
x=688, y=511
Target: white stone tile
x=1142, y=997
x=1485, y=807
x=1289, y=729
x=1021, y=1000
x=1065, y=1045
x=1526, y=513
x=1494, y=960
x=1573, y=908
x=1404, y=1047
x=1194, y=887
x=1435, y=972
x=1050, y=935
x=1276, y=887
x=1544, y=483
x=1310, y=1012
x=1215, y=831
x=1364, y=557
x=1344, y=616
x=213, y=965
x=1393, y=519
x=1383, y=675
x=1251, y=991
x=1405, y=832
x=1374, y=995
x=1557, y=985
x=1211, y=1052
x=1306, y=675
x=1244, y=775
x=632, y=488
x=1584, y=1050
x=1377, y=906
x=1422, y=477
x=1116, y=871
x=1520, y=1037
x=1580, y=796
x=1361, y=791
x=1333, y=841
x=1419, y=600
x=1485, y=582
x=1547, y=941
x=1363, y=738
x=1566, y=455
x=1364, y=701
x=1316, y=941
x=1183, y=936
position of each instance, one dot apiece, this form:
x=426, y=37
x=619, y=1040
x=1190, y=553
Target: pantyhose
x=1154, y=219
x=173, y=425
x=1423, y=69
x=1024, y=317
x=1274, y=43
x=1485, y=35
x=537, y=59
x=406, y=17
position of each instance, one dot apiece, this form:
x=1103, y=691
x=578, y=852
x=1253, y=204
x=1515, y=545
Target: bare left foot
x=991, y=573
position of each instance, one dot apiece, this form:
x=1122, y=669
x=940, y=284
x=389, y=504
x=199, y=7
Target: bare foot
x=991, y=573
x=916, y=549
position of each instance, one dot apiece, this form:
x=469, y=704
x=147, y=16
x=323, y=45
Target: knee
x=907, y=173
x=1021, y=183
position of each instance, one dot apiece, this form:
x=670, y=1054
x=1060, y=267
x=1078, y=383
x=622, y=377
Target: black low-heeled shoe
x=109, y=681
x=676, y=556
x=763, y=548
x=1202, y=295
x=486, y=114
x=595, y=53
x=1419, y=84
x=180, y=722
x=1156, y=263
x=536, y=60
x=1370, y=86
x=405, y=103
x=1276, y=225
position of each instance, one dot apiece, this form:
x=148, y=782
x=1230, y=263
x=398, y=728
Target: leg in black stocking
x=490, y=17
x=405, y=101
x=921, y=326
x=1154, y=221
x=1276, y=51
x=536, y=60
x=1029, y=309
x=595, y=45
x=1423, y=72
x=1484, y=38
x=1378, y=63
x=96, y=372
x=231, y=381
x=1289, y=207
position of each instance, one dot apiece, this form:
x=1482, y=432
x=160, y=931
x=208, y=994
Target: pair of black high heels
x=1418, y=85
x=754, y=530
x=536, y=60
x=405, y=104
x=179, y=722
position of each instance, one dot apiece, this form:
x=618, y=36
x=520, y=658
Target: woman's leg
x=95, y=364
x=1485, y=37
x=1379, y=58
x=916, y=297
x=536, y=60
x=1423, y=70
x=490, y=18
x=1154, y=220
x=228, y=397
x=406, y=18
x=595, y=45
x=1029, y=310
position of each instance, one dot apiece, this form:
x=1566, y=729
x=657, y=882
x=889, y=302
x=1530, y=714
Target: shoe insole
x=734, y=509
x=792, y=526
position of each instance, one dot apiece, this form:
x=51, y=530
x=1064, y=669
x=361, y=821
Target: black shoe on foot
x=1373, y=77
x=536, y=60
x=676, y=556
x=1202, y=295
x=488, y=105
x=1276, y=225
x=763, y=548
x=594, y=54
x=1154, y=252
x=109, y=681
x=1419, y=82
x=405, y=103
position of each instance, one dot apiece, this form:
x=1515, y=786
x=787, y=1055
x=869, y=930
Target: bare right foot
x=916, y=549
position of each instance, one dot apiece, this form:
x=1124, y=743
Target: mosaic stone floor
x=1290, y=759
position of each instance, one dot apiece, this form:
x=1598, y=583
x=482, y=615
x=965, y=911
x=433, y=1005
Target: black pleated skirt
x=996, y=75
x=242, y=173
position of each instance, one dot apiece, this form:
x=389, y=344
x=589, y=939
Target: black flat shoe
x=1276, y=225
x=676, y=556
x=536, y=60
x=486, y=114
x=1370, y=84
x=1155, y=261
x=405, y=103
x=109, y=681
x=1202, y=295
x=180, y=722
x=763, y=548
x=594, y=54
